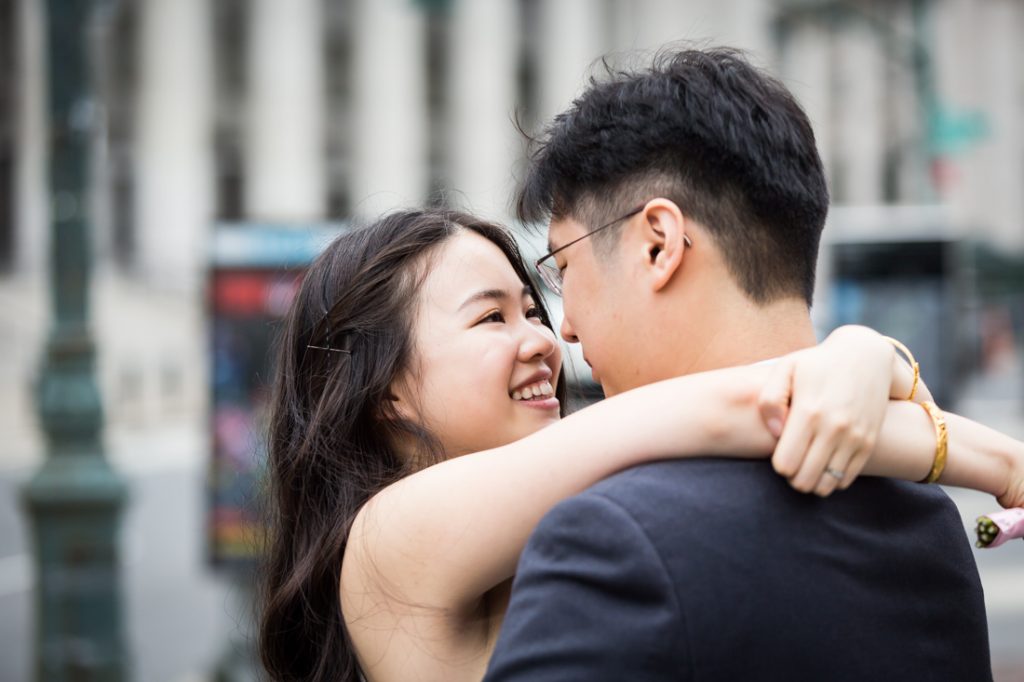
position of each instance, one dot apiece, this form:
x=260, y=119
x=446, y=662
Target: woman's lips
x=549, y=403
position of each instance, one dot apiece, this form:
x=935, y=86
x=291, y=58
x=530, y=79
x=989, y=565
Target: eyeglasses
x=552, y=274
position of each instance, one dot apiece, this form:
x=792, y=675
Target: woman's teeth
x=541, y=389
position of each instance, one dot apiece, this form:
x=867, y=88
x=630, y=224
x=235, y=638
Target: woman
x=409, y=458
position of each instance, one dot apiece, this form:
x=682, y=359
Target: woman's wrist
x=745, y=430
x=1003, y=470
x=875, y=347
x=979, y=457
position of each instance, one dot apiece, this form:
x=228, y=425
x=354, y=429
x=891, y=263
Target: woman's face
x=485, y=366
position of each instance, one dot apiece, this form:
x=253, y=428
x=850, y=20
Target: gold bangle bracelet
x=910, y=359
x=941, y=441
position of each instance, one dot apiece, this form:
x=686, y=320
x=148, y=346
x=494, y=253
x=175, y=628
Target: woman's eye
x=496, y=316
x=533, y=311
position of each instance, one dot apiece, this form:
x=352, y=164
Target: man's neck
x=741, y=334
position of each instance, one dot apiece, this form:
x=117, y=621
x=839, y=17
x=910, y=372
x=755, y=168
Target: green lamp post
x=75, y=499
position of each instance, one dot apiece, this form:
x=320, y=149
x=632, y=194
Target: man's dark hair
x=706, y=129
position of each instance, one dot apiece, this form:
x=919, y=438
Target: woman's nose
x=538, y=341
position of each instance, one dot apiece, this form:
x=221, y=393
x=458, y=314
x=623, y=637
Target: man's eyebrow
x=493, y=295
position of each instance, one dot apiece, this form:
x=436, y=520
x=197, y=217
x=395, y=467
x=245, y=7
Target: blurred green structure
x=74, y=501
x=948, y=132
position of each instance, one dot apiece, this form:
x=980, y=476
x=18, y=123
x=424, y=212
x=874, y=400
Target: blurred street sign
x=255, y=271
x=954, y=132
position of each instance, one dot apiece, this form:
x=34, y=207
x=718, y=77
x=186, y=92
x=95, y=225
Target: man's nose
x=568, y=333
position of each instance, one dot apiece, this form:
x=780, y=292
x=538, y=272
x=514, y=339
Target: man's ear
x=664, y=241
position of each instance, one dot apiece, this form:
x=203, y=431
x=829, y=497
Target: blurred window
x=908, y=289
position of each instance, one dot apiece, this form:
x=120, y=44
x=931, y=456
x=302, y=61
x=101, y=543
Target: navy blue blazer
x=716, y=570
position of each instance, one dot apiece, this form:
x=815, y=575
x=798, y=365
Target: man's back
x=717, y=570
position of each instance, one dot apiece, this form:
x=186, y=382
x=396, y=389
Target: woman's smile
x=537, y=392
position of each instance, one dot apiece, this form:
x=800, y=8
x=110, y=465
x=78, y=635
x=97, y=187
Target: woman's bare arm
x=446, y=535
x=979, y=457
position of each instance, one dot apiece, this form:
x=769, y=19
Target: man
x=699, y=192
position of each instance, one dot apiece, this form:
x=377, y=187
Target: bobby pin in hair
x=330, y=350
x=328, y=347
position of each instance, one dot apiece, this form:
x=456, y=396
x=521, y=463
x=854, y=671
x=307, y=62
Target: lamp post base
x=74, y=504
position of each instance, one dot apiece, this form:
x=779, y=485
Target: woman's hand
x=827, y=404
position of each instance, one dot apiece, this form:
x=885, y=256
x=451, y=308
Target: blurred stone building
x=293, y=113
x=304, y=111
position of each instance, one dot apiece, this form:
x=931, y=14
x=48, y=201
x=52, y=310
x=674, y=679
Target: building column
x=173, y=141
x=285, y=149
x=481, y=90
x=985, y=190
x=571, y=39
x=750, y=29
x=389, y=117
x=860, y=64
x=32, y=215
x=1003, y=59
x=807, y=72
x=806, y=65
x=660, y=23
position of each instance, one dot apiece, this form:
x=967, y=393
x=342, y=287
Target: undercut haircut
x=706, y=129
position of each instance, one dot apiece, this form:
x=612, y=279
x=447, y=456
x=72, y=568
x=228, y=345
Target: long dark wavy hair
x=346, y=339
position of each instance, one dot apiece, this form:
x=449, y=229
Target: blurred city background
x=224, y=140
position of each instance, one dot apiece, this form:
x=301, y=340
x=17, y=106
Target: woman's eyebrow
x=500, y=295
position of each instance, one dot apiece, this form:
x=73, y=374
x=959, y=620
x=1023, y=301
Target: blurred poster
x=255, y=273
